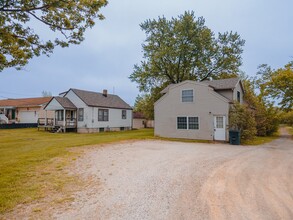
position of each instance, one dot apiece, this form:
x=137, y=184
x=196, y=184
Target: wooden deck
x=51, y=124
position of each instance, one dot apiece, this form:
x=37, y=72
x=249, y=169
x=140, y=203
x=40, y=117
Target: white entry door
x=220, y=128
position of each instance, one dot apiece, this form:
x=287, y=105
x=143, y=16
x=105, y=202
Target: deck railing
x=69, y=122
x=45, y=121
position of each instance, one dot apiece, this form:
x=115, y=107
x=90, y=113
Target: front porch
x=65, y=120
x=7, y=115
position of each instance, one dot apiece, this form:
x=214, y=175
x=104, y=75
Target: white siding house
x=197, y=110
x=88, y=112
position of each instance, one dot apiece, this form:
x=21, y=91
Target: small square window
x=187, y=95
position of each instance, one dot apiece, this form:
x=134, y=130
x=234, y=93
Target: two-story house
x=197, y=110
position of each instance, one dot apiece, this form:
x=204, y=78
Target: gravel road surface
x=174, y=180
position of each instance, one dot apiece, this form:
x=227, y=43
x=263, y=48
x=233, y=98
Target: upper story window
x=123, y=114
x=187, y=95
x=103, y=115
x=238, y=96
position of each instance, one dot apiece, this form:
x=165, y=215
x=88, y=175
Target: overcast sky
x=107, y=56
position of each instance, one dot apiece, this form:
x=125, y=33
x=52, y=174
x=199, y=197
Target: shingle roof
x=99, y=100
x=138, y=115
x=26, y=102
x=65, y=102
x=223, y=83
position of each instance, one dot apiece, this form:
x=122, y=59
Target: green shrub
x=241, y=119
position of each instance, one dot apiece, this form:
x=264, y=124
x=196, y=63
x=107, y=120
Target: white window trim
x=193, y=96
x=187, y=121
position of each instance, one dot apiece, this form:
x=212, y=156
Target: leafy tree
x=184, y=48
x=277, y=84
x=145, y=103
x=287, y=118
x=265, y=114
x=18, y=40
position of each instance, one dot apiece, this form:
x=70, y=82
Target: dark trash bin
x=234, y=137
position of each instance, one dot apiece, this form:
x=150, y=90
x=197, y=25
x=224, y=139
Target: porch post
x=64, y=118
x=45, y=117
x=54, y=119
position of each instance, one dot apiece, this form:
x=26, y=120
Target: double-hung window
x=187, y=95
x=103, y=115
x=123, y=114
x=80, y=114
x=188, y=123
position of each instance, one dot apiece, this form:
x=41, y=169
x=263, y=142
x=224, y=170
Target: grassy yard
x=28, y=160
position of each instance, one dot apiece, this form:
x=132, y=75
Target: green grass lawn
x=26, y=155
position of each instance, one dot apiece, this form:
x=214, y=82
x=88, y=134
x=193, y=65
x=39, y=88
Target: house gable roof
x=99, y=100
x=222, y=84
x=25, y=102
x=64, y=102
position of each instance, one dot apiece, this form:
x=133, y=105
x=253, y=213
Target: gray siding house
x=197, y=110
x=87, y=112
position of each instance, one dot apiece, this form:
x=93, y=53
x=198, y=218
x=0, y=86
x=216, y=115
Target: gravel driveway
x=174, y=180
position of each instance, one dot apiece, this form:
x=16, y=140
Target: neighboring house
x=88, y=112
x=26, y=110
x=140, y=121
x=197, y=110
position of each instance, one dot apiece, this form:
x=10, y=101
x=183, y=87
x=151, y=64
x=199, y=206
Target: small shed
x=139, y=121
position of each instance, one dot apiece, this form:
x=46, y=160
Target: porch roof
x=57, y=103
x=65, y=103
